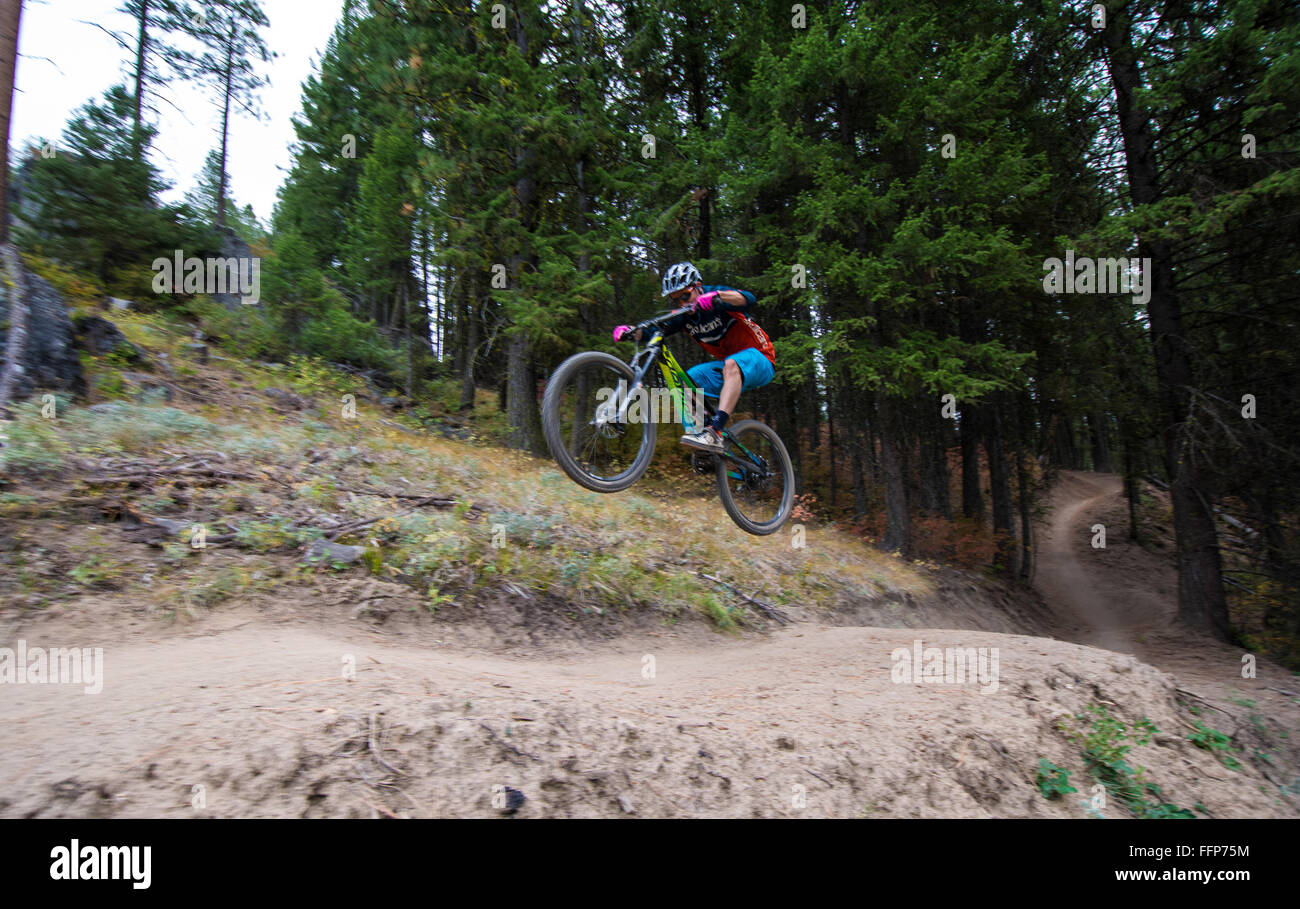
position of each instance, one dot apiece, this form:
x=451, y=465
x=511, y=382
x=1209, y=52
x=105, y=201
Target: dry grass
x=638, y=549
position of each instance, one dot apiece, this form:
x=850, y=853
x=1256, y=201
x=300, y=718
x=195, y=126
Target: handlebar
x=655, y=321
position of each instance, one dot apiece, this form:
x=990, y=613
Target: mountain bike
x=600, y=416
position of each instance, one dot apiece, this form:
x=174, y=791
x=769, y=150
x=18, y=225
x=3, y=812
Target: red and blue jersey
x=723, y=329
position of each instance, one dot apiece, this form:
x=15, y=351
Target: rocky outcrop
x=101, y=337
x=48, y=359
x=232, y=247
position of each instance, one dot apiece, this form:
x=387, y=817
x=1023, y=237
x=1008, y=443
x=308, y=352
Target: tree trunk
x=695, y=78
x=830, y=423
x=457, y=294
x=471, y=352
x=225, y=127
x=1065, y=443
x=811, y=411
x=898, y=518
x=971, y=331
x=1026, y=572
x=1201, y=601
x=859, y=478
x=1099, y=425
x=406, y=326
x=1131, y=491
x=934, y=465
x=141, y=59
x=972, y=499
x=999, y=484
x=11, y=12
x=525, y=416
x=787, y=425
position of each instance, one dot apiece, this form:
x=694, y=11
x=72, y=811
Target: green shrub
x=1053, y=781
x=335, y=334
x=247, y=331
x=528, y=529
x=227, y=583
x=1215, y=742
x=32, y=443
x=1106, y=746
x=277, y=533
x=97, y=572
x=312, y=376
x=132, y=427
x=242, y=442
x=72, y=285
x=723, y=616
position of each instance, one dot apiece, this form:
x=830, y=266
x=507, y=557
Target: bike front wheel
x=756, y=480
x=580, y=420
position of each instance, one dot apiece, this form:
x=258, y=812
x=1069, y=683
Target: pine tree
x=228, y=32
x=202, y=197
x=157, y=58
x=94, y=202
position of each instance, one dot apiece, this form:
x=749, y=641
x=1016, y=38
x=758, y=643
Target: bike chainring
x=702, y=463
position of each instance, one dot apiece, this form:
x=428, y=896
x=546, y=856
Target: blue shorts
x=755, y=368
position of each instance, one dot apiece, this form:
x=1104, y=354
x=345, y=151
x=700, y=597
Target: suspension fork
x=638, y=380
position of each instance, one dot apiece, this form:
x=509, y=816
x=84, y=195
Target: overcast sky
x=65, y=62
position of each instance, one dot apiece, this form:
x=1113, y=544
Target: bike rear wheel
x=757, y=487
x=579, y=419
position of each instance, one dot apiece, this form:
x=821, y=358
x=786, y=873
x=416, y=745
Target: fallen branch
x=374, y=751
x=504, y=744
x=1191, y=694
x=438, y=501
x=382, y=810
x=820, y=777
x=1197, y=697
x=162, y=473
x=771, y=611
x=351, y=526
x=391, y=495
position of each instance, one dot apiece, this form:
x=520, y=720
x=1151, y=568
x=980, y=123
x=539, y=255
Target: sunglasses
x=680, y=297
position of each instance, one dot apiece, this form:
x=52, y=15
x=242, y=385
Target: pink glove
x=705, y=301
x=620, y=331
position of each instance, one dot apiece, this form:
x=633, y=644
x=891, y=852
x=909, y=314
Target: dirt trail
x=1125, y=598
x=247, y=718
x=250, y=711
x=1064, y=581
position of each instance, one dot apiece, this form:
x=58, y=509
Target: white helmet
x=680, y=276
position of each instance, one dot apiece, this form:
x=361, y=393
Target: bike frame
x=678, y=380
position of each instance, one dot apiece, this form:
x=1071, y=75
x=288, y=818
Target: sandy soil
x=299, y=709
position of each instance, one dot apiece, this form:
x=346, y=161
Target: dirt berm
x=297, y=709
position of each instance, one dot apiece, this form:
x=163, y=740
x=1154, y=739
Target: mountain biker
x=718, y=319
